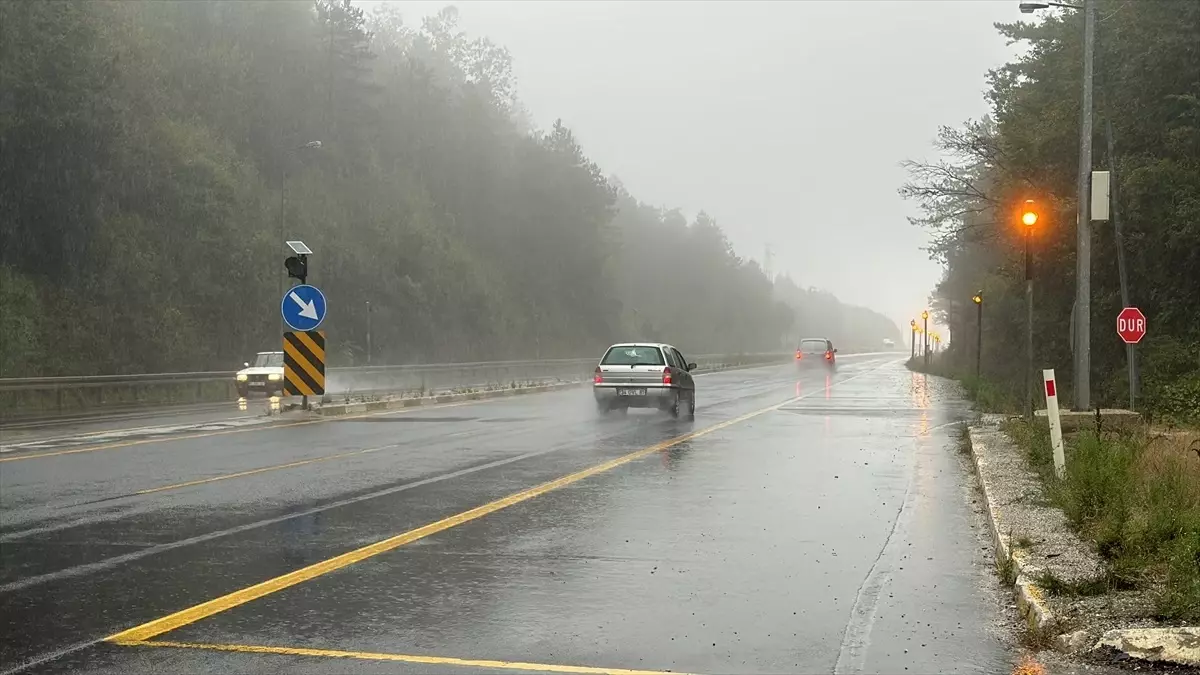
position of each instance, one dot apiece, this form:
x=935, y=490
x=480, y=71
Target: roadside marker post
x=1056, y=442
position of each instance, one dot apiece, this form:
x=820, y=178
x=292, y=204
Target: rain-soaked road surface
x=803, y=522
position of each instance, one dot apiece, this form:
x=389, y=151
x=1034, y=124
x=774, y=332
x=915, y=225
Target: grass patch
x=1083, y=588
x=1007, y=569
x=1024, y=542
x=1138, y=498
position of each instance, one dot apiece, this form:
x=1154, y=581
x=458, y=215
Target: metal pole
x=1028, y=327
x=1083, y=256
x=282, y=278
x=1119, y=240
x=368, y=332
x=978, y=341
x=925, y=339
x=912, y=339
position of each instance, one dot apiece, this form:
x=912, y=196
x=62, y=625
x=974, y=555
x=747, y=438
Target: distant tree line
x=153, y=153
x=1147, y=131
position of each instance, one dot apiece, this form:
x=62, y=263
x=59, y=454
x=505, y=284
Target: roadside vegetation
x=155, y=154
x=1137, y=496
x=1134, y=493
x=1147, y=131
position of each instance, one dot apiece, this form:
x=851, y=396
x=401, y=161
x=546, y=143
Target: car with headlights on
x=645, y=375
x=265, y=375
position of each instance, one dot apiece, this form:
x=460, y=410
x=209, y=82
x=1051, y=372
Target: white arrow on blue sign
x=303, y=307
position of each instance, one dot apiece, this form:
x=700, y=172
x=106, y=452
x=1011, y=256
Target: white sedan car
x=266, y=375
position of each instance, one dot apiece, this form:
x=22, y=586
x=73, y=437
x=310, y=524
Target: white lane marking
x=125, y=434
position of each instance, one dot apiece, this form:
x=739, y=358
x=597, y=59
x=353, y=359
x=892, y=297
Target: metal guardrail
x=41, y=397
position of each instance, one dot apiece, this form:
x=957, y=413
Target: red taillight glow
x=666, y=376
x=828, y=356
x=598, y=377
x=799, y=355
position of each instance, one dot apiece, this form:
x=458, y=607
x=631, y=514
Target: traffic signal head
x=297, y=267
x=1029, y=213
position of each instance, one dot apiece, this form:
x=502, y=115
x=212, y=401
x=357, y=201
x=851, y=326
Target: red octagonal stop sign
x=1131, y=325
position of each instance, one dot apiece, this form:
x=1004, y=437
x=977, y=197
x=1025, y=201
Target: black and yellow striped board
x=304, y=363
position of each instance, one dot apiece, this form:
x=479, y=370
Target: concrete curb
x=1175, y=645
x=335, y=409
x=1030, y=597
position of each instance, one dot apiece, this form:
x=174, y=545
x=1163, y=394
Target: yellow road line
x=251, y=472
x=204, y=610
x=156, y=627
x=405, y=658
x=224, y=432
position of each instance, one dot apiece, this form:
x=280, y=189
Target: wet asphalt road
x=803, y=522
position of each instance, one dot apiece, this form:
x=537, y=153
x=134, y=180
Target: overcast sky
x=786, y=121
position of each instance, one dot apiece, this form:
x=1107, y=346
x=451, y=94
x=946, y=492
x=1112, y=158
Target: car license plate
x=631, y=392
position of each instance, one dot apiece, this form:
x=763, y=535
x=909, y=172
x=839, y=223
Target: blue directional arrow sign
x=303, y=307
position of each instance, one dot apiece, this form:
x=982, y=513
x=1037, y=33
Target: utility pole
x=368, y=332
x=1083, y=255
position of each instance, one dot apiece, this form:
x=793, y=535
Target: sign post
x=1131, y=326
x=1056, y=442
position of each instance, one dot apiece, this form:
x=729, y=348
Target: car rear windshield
x=633, y=356
x=813, y=346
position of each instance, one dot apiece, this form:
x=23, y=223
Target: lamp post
x=978, y=300
x=912, y=338
x=925, y=332
x=1029, y=218
x=1083, y=254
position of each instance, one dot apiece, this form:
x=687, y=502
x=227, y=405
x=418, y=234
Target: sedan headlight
x=242, y=377
x=275, y=377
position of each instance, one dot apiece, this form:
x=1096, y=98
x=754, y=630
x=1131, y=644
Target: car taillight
x=828, y=356
x=599, y=376
x=666, y=376
x=799, y=355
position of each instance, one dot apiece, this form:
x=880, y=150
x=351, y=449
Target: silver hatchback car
x=645, y=375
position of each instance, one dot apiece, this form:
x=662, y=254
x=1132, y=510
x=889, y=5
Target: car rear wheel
x=673, y=409
x=692, y=405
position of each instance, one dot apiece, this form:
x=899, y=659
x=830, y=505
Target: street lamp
x=1031, y=7
x=925, y=331
x=311, y=145
x=1029, y=218
x=1083, y=230
x=978, y=300
x=912, y=324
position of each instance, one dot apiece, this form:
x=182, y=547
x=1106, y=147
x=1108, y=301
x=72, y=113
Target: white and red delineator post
x=1056, y=442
